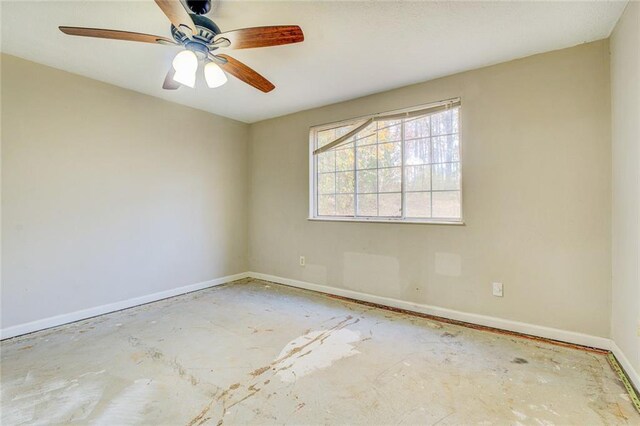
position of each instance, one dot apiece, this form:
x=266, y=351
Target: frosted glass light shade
x=214, y=75
x=186, y=64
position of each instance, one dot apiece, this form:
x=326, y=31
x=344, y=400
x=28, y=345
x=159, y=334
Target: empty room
x=228, y=212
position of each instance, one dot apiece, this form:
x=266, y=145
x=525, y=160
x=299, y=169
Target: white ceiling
x=351, y=48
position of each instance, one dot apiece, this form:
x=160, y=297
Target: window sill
x=394, y=221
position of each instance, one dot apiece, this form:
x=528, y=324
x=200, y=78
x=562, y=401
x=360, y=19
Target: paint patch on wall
x=371, y=273
x=319, y=349
x=316, y=274
x=448, y=264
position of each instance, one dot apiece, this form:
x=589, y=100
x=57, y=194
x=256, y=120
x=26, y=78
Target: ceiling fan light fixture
x=186, y=64
x=200, y=36
x=214, y=75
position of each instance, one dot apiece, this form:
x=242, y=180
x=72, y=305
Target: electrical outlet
x=497, y=290
x=302, y=261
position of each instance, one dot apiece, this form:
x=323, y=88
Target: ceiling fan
x=201, y=39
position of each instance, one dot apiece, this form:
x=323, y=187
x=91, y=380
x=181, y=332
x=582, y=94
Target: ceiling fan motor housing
x=199, y=49
x=207, y=30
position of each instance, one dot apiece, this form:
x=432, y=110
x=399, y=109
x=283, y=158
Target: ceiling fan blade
x=115, y=35
x=169, y=82
x=177, y=14
x=247, y=38
x=246, y=74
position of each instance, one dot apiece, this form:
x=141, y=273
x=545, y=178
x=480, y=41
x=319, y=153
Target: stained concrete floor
x=254, y=352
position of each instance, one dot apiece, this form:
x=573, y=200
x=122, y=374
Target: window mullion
x=355, y=180
x=377, y=171
x=430, y=168
x=315, y=176
x=335, y=187
x=402, y=197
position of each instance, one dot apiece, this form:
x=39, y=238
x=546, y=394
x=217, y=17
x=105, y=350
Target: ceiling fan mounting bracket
x=199, y=7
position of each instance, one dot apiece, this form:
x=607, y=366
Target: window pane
x=442, y=123
x=446, y=204
x=417, y=178
x=389, y=180
x=341, y=131
x=345, y=182
x=390, y=154
x=417, y=151
x=369, y=140
x=390, y=133
x=456, y=120
x=366, y=175
x=326, y=183
x=446, y=148
x=367, y=181
x=416, y=128
x=327, y=161
x=344, y=159
x=344, y=205
x=367, y=158
x=368, y=131
x=326, y=205
x=346, y=145
x=446, y=176
x=418, y=204
x=368, y=205
x=326, y=136
x=390, y=205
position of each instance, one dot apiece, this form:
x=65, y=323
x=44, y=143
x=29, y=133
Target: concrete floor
x=253, y=352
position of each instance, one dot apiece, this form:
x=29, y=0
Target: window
x=398, y=166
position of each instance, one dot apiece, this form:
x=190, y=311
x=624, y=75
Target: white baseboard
x=54, y=321
x=504, y=324
x=520, y=327
x=633, y=375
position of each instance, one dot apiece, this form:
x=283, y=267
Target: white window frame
x=313, y=132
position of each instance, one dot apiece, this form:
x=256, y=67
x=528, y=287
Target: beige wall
x=625, y=100
x=108, y=194
x=129, y=195
x=537, y=188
